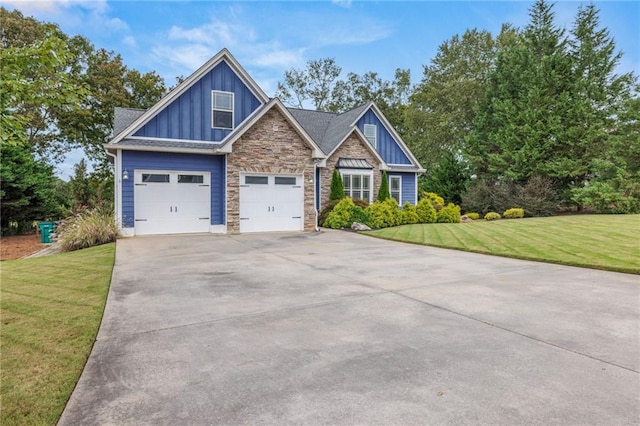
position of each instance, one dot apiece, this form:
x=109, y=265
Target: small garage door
x=271, y=203
x=172, y=202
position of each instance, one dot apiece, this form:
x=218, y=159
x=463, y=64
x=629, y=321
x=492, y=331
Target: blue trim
x=386, y=145
x=141, y=160
x=189, y=116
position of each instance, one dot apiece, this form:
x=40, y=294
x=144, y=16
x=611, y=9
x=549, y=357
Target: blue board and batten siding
x=408, y=187
x=189, y=116
x=386, y=145
x=140, y=160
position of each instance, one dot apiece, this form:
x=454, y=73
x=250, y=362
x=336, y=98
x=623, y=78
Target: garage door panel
x=180, y=205
x=271, y=203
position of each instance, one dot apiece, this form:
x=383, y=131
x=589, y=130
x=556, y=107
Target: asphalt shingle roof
x=168, y=144
x=326, y=128
x=123, y=117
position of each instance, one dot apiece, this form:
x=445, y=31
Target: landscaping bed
x=18, y=246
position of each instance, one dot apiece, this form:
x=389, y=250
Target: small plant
x=383, y=214
x=473, y=215
x=409, y=214
x=449, y=214
x=87, y=229
x=383, y=193
x=492, y=216
x=426, y=212
x=337, y=187
x=513, y=213
x=436, y=200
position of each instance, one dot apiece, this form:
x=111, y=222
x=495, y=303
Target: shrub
x=473, y=215
x=436, y=200
x=340, y=216
x=337, y=187
x=513, y=213
x=87, y=229
x=383, y=214
x=426, y=212
x=449, y=214
x=409, y=214
x=492, y=216
x=383, y=192
x=324, y=212
x=604, y=198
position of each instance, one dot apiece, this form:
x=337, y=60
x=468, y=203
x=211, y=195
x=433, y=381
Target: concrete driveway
x=339, y=328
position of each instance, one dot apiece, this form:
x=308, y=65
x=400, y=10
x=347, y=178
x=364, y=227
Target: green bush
x=383, y=214
x=473, y=215
x=409, y=214
x=604, y=198
x=336, y=192
x=492, y=216
x=324, y=212
x=513, y=213
x=426, y=212
x=340, y=216
x=449, y=214
x=358, y=214
x=383, y=192
x=87, y=229
x=436, y=200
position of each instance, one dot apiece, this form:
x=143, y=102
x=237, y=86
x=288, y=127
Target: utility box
x=46, y=229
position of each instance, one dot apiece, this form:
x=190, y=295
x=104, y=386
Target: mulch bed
x=18, y=246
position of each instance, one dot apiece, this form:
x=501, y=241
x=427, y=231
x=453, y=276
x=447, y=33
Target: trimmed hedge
x=473, y=215
x=426, y=212
x=384, y=214
x=492, y=216
x=513, y=213
x=409, y=214
x=449, y=214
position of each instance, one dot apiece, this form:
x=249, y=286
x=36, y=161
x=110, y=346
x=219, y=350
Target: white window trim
x=399, y=177
x=213, y=109
x=362, y=172
x=375, y=134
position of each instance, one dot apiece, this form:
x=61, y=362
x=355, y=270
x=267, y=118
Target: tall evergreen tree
x=337, y=186
x=383, y=192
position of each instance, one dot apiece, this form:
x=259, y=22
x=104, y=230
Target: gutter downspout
x=315, y=194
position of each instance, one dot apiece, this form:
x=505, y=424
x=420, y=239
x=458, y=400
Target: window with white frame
x=357, y=185
x=395, y=187
x=221, y=110
x=370, y=132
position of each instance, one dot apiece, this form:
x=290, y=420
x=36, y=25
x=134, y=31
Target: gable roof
x=223, y=55
x=123, y=117
x=273, y=103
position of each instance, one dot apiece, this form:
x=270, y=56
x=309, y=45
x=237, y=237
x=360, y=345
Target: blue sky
x=267, y=38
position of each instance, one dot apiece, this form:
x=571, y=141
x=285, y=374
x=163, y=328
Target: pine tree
x=383, y=193
x=337, y=187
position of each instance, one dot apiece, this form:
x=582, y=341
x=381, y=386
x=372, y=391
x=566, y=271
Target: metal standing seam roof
x=353, y=163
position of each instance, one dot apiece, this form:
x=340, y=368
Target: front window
x=357, y=186
x=370, y=132
x=222, y=110
x=395, y=187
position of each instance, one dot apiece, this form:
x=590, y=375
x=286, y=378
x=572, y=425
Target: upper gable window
x=222, y=110
x=370, y=132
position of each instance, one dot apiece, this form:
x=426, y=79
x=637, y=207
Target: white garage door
x=172, y=202
x=271, y=203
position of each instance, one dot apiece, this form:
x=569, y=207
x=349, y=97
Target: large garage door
x=172, y=202
x=271, y=203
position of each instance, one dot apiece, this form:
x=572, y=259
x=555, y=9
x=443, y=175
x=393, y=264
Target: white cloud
x=279, y=58
x=130, y=41
x=342, y=3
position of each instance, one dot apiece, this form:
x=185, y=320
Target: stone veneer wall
x=270, y=146
x=353, y=147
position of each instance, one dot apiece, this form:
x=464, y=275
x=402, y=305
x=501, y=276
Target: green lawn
x=51, y=308
x=609, y=242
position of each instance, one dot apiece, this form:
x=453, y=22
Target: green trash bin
x=46, y=228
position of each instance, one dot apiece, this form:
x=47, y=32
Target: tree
x=337, y=186
x=314, y=84
x=27, y=193
x=521, y=122
x=449, y=178
x=383, y=193
x=443, y=106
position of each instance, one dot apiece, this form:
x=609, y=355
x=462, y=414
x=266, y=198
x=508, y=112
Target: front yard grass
x=608, y=242
x=50, y=308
